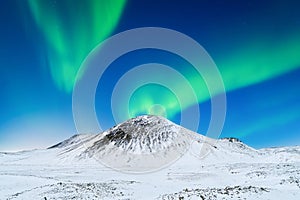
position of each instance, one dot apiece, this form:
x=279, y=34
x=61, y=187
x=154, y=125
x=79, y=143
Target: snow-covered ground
x=230, y=170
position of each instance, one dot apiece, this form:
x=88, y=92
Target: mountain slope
x=145, y=143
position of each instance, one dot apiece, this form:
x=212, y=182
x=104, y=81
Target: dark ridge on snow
x=232, y=139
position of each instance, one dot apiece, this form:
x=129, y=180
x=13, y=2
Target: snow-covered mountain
x=141, y=144
x=182, y=165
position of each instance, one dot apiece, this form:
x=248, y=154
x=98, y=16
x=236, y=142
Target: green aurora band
x=72, y=29
x=254, y=63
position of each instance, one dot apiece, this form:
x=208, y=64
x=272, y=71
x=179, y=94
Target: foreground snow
x=228, y=170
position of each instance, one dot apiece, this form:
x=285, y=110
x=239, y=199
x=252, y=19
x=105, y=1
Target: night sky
x=255, y=44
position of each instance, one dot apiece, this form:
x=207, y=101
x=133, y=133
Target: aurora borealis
x=71, y=30
x=256, y=46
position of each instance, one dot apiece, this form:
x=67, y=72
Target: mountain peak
x=147, y=134
x=143, y=143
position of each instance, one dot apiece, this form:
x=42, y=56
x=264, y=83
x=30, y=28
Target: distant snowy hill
x=180, y=164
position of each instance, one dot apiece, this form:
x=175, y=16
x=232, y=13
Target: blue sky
x=255, y=44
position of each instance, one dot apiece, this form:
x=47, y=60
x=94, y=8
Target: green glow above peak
x=153, y=99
